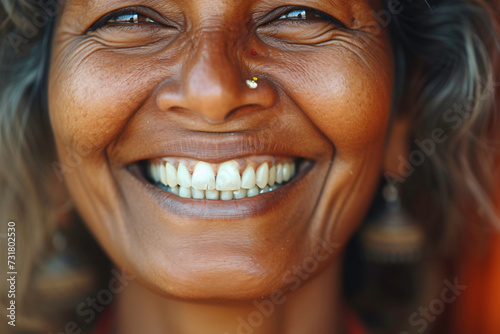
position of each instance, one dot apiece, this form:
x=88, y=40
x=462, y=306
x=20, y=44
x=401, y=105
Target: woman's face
x=137, y=84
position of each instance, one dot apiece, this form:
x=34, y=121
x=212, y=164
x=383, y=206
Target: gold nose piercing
x=252, y=84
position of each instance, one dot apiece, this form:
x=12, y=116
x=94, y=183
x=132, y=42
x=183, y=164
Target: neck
x=313, y=308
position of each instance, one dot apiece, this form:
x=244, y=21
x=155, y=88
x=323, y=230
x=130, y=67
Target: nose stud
x=252, y=84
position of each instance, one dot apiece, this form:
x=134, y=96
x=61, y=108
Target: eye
x=298, y=25
x=130, y=18
x=127, y=17
x=301, y=14
x=306, y=14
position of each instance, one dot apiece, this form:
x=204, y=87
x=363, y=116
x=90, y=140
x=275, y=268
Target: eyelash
x=108, y=18
x=286, y=13
x=300, y=14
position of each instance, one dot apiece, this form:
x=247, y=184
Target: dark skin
x=173, y=85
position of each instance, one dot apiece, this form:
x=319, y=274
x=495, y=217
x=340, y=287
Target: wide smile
x=220, y=176
x=230, y=180
x=239, y=187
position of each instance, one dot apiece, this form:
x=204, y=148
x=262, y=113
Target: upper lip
x=210, y=147
x=155, y=135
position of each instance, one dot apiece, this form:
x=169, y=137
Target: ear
x=397, y=145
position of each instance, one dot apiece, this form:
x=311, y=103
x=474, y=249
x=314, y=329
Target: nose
x=211, y=83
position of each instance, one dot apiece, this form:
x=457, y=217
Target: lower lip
x=224, y=210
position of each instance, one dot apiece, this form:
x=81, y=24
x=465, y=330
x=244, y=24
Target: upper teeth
x=203, y=177
x=228, y=177
x=226, y=184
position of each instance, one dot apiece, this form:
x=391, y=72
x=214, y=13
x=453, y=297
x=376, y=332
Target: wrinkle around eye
x=131, y=36
x=362, y=47
x=316, y=33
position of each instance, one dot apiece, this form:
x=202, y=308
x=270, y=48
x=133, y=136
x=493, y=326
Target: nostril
x=216, y=104
x=212, y=84
x=169, y=100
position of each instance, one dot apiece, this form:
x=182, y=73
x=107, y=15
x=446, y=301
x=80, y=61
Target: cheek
x=347, y=97
x=92, y=95
x=353, y=113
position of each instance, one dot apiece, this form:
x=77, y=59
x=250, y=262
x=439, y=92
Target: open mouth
x=230, y=180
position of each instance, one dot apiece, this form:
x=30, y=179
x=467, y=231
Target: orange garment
x=478, y=309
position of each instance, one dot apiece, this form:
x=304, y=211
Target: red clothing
x=105, y=324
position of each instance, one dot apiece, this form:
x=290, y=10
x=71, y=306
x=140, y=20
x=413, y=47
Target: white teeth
x=279, y=174
x=163, y=173
x=227, y=185
x=203, y=177
x=212, y=194
x=171, y=175
x=226, y=195
x=153, y=172
x=262, y=175
x=175, y=190
x=158, y=170
x=286, y=172
x=183, y=176
x=185, y=192
x=272, y=176
x=253, y=192
x=228, y=177
x=248, y=178
x=239, y=194
x=198, y=194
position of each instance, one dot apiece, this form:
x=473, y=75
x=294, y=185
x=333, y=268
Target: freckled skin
x=120, y=95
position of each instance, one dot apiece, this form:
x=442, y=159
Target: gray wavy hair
x=446, y=59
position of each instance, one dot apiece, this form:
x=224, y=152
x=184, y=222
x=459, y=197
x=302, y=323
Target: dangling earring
x=395, y=237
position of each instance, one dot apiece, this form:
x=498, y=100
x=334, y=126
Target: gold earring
x=393, y=237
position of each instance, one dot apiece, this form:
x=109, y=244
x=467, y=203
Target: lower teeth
x=218, y=195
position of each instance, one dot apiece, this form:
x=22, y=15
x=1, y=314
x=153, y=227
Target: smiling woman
x=223, y=154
